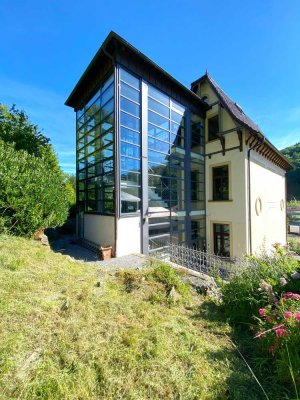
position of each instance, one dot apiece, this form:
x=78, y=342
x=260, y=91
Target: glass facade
x=173, y=166
x=95, y=152
x=130, y=143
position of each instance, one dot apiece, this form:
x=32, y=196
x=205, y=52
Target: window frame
x=212, y=183
x=210, y=117
x=223, y=235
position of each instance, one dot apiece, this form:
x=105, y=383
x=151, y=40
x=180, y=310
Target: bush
x=168, y=276
x=253, y=283
x=32, y=194
x=279, y=335
x=294, y=245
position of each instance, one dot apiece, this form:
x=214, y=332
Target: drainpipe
x=249, y=192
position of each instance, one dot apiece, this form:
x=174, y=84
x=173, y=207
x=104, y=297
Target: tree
x=293, y=176
x=33, y=192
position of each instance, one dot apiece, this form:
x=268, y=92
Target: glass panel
x=130, y=164
x=158, y=95
x=158, y=107
x=130, y=178
x=130, y=199
x=107, y=109
x=129, y=121
x=220, y=183
x=107, y=95
x=159, y=158
x=158, y=133
x=127, y=77
x=107, y=83
x=130, y=107
x=158, y=120
x=129, y=92
x=158, y=145
x=130, y=136
x=130, y=150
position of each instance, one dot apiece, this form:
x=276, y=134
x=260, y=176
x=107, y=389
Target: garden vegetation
x=34, y=193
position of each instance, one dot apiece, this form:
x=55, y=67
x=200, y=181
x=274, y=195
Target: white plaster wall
x=128, y=236
x=100, y=229
x=234, y=211
x=268, y=184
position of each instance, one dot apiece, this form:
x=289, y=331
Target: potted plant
x=106, y=252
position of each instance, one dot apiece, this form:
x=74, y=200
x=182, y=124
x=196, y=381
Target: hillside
x=293, y=177
x=71, y=331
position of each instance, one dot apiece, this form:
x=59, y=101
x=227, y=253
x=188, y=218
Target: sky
x=250, y=48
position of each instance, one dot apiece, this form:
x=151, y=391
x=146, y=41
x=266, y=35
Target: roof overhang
x=107, y=54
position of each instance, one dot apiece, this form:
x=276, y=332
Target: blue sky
x=251, y=48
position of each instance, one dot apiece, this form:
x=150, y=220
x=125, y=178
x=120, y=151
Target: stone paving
x=67, y=245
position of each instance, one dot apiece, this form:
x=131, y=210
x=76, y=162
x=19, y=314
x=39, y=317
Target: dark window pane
x=213, y=127
x=129, y=121
x=129, y=92
x=107, y=124
x=130, y=107
x=107, y=95
x=107, y=82
x=221, y=239
x=130, y=199
x=130, y=178
x=220, y=183
x=107, y=109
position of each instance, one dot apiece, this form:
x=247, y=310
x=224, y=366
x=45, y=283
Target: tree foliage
x=293, y=176
x=33, y=193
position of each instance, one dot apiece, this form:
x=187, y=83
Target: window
x=95, y=149
x=221, y=239
x=220, y=183
x=213, y=127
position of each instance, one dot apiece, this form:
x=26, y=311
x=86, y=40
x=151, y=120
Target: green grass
x=124, y=339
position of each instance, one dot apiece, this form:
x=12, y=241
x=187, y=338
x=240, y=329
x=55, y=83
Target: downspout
x=249, y=192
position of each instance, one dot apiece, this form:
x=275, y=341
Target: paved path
x=67, y=245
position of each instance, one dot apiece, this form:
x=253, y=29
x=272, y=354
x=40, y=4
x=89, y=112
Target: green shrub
x=243, y=295
x=32, y=194
x=294, y=245
x=168, y=276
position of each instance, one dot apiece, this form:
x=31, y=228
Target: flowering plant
x=279, y=334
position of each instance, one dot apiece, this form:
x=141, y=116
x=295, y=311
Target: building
x=157, y=161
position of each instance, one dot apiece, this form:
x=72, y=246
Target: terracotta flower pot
x=106, y=252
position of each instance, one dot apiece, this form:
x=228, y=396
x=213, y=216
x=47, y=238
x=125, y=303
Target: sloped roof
x=238, y=114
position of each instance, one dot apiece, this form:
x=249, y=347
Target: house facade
x=159, y=162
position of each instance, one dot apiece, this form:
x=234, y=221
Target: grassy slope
x=109, y=343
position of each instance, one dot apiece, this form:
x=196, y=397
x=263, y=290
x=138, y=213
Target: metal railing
x=197, y=260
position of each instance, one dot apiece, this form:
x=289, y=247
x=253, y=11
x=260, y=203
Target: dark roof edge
x=114, y=35
x=254, y=131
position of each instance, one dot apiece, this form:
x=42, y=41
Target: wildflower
x=288, y=314
x=290, y=295
x=298, y=316
x=262, y=311
x=265, y=287
x=282, y=281
x=269, y=318
x=280, y=331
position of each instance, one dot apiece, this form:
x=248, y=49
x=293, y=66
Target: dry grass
x=62, y=336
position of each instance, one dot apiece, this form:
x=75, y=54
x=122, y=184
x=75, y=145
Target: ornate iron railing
x=197, y=260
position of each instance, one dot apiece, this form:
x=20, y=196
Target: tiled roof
x=233, y=108
x=238, y=114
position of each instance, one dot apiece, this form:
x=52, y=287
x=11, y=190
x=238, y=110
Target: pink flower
x=262, y=311
x=269, y=318
x=298, y=316
x=280, y=332
x=290, y=295
x=288, y=314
